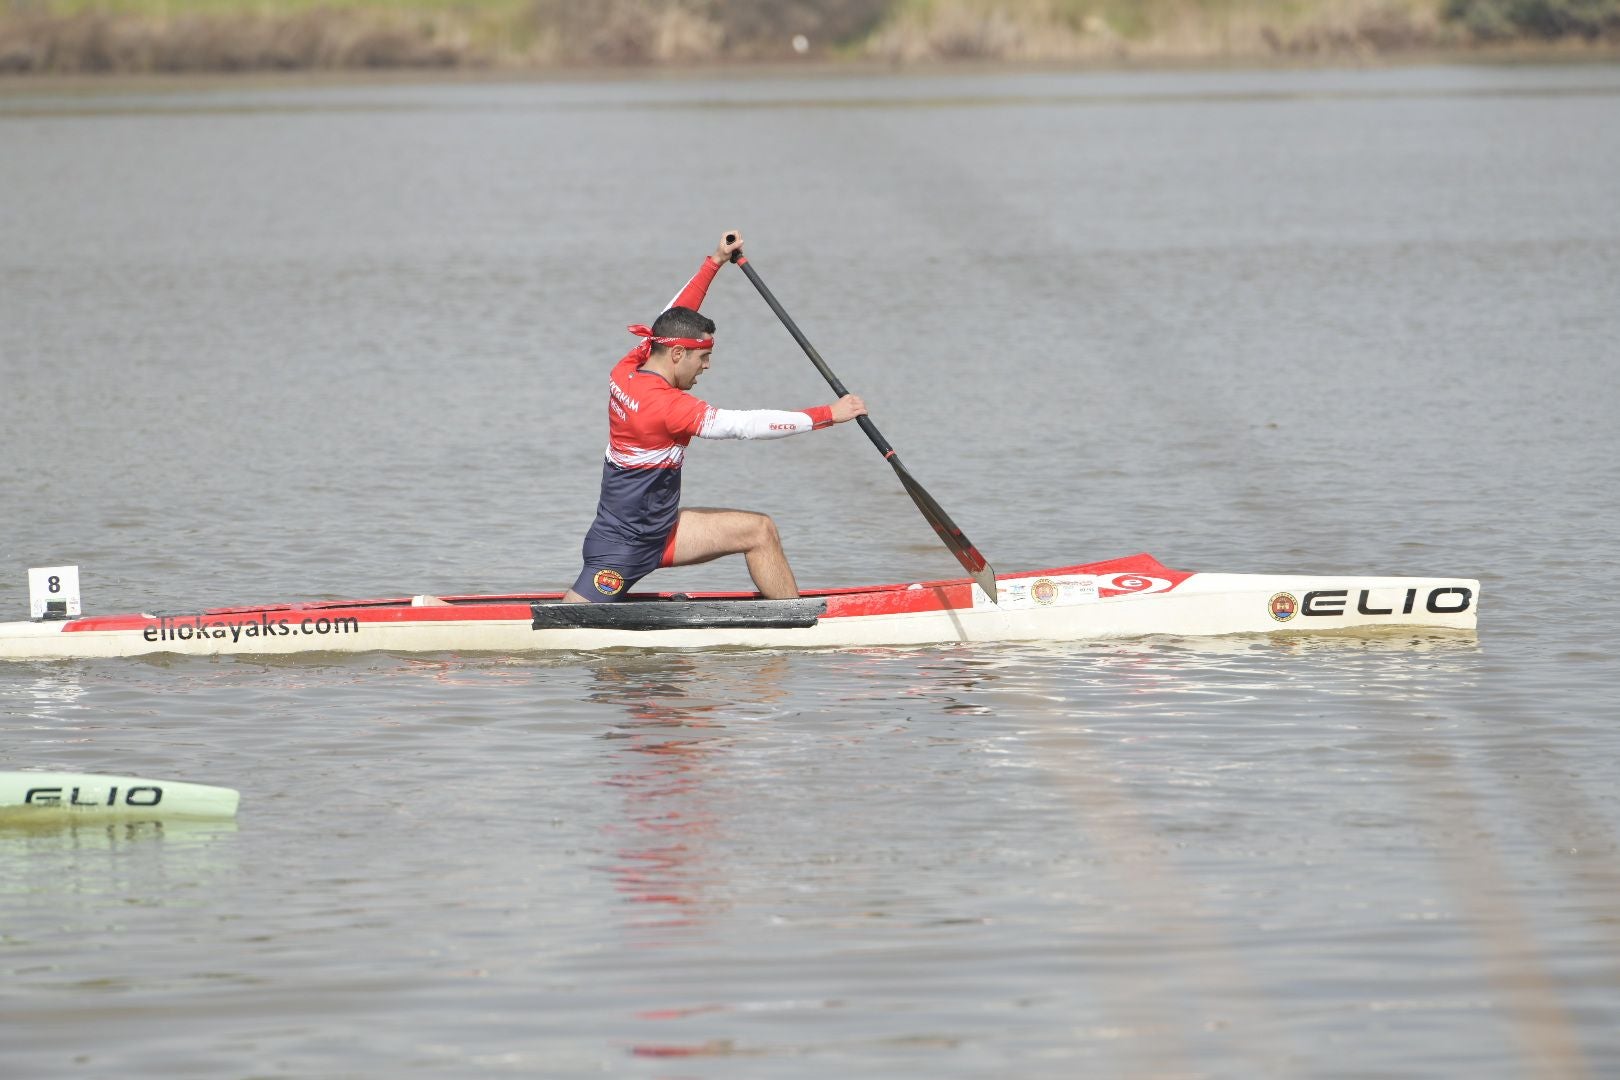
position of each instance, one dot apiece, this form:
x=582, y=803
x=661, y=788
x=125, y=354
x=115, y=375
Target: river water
x=267, y=342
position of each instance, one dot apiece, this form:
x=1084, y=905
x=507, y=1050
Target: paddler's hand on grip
x=848, y=407
x=731, y=242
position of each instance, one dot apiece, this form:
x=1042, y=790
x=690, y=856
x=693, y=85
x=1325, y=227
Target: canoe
x=1130, y=597
x=33, y=797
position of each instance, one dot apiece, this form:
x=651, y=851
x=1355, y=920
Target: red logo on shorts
x=608, y=582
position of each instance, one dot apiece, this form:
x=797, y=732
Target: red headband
x=691, y=343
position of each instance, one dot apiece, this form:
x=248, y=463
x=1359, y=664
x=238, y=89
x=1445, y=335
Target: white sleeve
x=753, y=424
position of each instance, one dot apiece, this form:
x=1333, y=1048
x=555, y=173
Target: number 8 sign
x=53, y=592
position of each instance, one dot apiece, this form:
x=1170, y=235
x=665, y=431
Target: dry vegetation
x=96, y=42
x=75, y=36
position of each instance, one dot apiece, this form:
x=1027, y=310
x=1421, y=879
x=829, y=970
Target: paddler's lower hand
x=730, y=242
x=848, y=407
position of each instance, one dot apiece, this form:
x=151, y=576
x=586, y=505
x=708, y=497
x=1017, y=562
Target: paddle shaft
x=815, y=358
x=958, y=543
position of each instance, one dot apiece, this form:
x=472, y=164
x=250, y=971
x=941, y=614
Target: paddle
x=966, y=554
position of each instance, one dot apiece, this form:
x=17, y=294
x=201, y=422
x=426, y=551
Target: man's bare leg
x=705, y=534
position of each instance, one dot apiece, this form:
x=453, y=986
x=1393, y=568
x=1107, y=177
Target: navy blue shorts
x=612, y=567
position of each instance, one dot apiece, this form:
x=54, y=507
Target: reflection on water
x=673, y=738
x=51, y=697
x=1135, y=842
x=24, y=835
x=1204, y=772
x=68, y=883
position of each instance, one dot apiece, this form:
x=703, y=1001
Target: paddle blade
x=963, y=548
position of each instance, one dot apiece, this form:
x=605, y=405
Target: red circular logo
x=608, y=582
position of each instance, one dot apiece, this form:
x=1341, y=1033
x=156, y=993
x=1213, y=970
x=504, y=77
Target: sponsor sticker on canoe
x=1283, y=606
x=608, y=582
x=1020, y=594
x=1120, y=584
x=235, y=628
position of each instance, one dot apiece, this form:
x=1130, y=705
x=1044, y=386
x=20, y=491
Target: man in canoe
x=639, y=524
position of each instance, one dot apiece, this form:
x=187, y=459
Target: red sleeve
x=821, y=416
x=685, y=416
x=692, y=295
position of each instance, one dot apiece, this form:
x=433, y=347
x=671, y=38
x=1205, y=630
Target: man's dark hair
x=682, y=322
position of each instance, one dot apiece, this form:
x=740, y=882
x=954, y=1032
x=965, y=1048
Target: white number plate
x=53, y=591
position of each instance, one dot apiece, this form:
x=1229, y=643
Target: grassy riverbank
x=135, y=36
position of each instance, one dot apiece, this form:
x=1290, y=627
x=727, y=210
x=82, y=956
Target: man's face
x=688, y=364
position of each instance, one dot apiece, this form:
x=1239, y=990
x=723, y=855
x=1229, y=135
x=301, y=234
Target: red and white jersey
x=650, y=423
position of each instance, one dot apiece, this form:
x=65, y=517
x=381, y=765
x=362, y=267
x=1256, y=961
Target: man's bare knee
x=763, y=532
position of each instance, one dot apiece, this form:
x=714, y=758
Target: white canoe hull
x=1133, y=597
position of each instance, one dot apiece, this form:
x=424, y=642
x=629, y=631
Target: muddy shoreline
x=76, y=84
